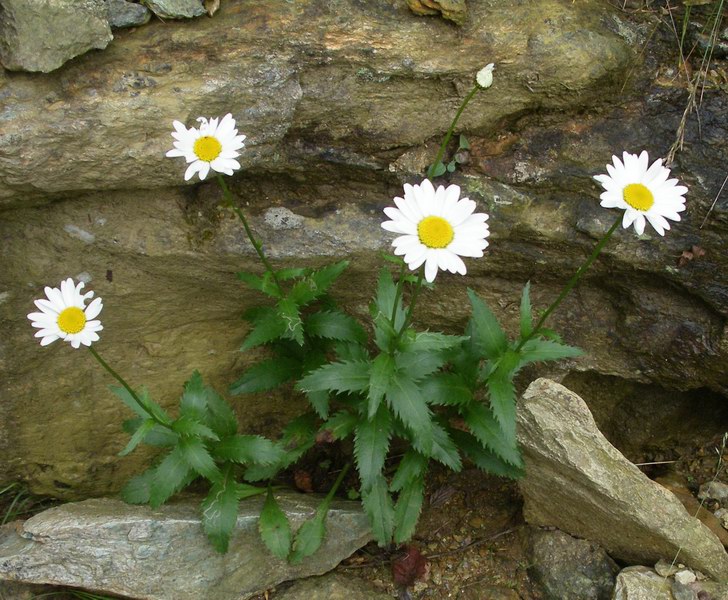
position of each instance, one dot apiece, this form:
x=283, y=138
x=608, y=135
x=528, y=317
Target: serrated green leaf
x=194, y=401
x=526, y=316
x=289, y=312
x=349, y=376
x=382, y=373
x=412, y=466
x=266, y=375
x=198, y=458
x=274, y=528
x=485, y=428
x=170, y=476
x=445, y=389
x=325, y=277
x=146, y=408
x=244, y=490
x=371, y=443
x=248, y=449
x=320, y=403
x=265, y=284
x=267, y=327
x=290, y=273
x=442, y=449
x=158, y=436
x=349, y=351
x=487, y=337
x=379, y=507
x=298, y=436
x=384, y=300
x=334, y=325
x=384, y=333
x=502, y=394
x=138, y=436
x=537, y=350
x=418, y=365
x=340, y=425
x=188, y=426
x=407, y=510
x=309, y=536
x=138, y=488
x=220, y=511
x=483, y=458
x=407, y=402
x=220, y=416
x=428, y=341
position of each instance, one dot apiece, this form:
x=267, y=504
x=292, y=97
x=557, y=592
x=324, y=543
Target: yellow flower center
x=638, y=196
x=71, y=320
x=435, y=232
x=207, y=148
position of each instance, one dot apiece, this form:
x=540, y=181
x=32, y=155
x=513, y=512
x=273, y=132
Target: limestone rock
x=568, y=568
x=283, y=68
x=41, y=35
x=454, y=10
x=333, y=586
x=641, y=583
x=127, y=14
x=176, y=9
x=112, y=547
x=577, y=481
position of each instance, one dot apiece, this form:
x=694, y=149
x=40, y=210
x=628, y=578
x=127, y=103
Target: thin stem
x=572, y=282
x=126, y=386
x=256, y=244
x=448, y=135
x=413, y=301
x=337, y=483
x=398, y=294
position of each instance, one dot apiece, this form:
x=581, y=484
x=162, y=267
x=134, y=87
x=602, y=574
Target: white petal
x=639, y=224
x=93, y=309
x=48, y=340
x=192, y=169
x=204, y=169
x=431, y=267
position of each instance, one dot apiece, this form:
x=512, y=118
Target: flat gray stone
x=176, y=9
x=714, y=490
x=112, y=547
x=641, y=583
x=333, y=586
x=127, y=14
x=577, y=481
x=41, y=35
x=567, y=568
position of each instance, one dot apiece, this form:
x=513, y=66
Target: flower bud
x=485, y=76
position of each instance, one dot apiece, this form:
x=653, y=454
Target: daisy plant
x=201, y=442
x=393, y=396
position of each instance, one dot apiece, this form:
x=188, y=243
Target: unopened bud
x=485, y=76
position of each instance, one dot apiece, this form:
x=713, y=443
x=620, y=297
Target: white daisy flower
x=644, y=192
x=438, y=228
x=65, y=317
x=213, y=146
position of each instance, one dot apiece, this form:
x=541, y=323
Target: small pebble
x=685, y=576
x=665, y=568
x=722, y=515
x=714, y=490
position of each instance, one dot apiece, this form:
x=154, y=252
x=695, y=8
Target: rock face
x=577, y=481
x=41, y=35
x=116, y=548
x=567, y=568
x=342, y=103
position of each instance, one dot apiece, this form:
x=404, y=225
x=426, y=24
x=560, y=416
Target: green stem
x=398, y=294
x=256, y=244
x=413, y=301
x=572, y=282
x=126, y=386
x=448, y=135
x=337, y=483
